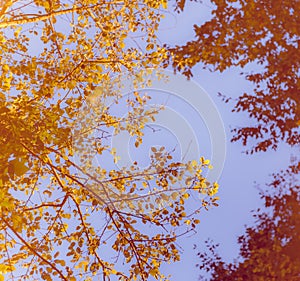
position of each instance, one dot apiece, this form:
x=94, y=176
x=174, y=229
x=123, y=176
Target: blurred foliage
x=270, y=249
x=264, y=37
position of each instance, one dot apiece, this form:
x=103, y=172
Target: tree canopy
x=63, y=215
x=263, y=37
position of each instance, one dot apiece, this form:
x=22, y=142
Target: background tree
x=269, y=249
x=63, y=215
x=262, y=36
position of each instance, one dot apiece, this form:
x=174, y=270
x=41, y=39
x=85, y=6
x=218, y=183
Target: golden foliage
x=62, y=218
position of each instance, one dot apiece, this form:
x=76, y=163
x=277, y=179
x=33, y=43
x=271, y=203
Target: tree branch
x=31, y=249
x=38, y=18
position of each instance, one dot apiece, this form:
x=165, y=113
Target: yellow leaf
x=18, y=166
x=5, y=67
x=174, y=195
x=164, y=197
x=185, y=195
x=164, y=4
x=113, y=271
x=3, y=268
x=153, y=272
x=67, y=216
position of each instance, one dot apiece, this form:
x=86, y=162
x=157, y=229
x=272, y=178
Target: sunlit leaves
x=17, y=167
x=65, y=216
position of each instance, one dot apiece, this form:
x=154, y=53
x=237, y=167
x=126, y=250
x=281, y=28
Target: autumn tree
x=269, y=250
x=262, y=36
x=65, y=216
